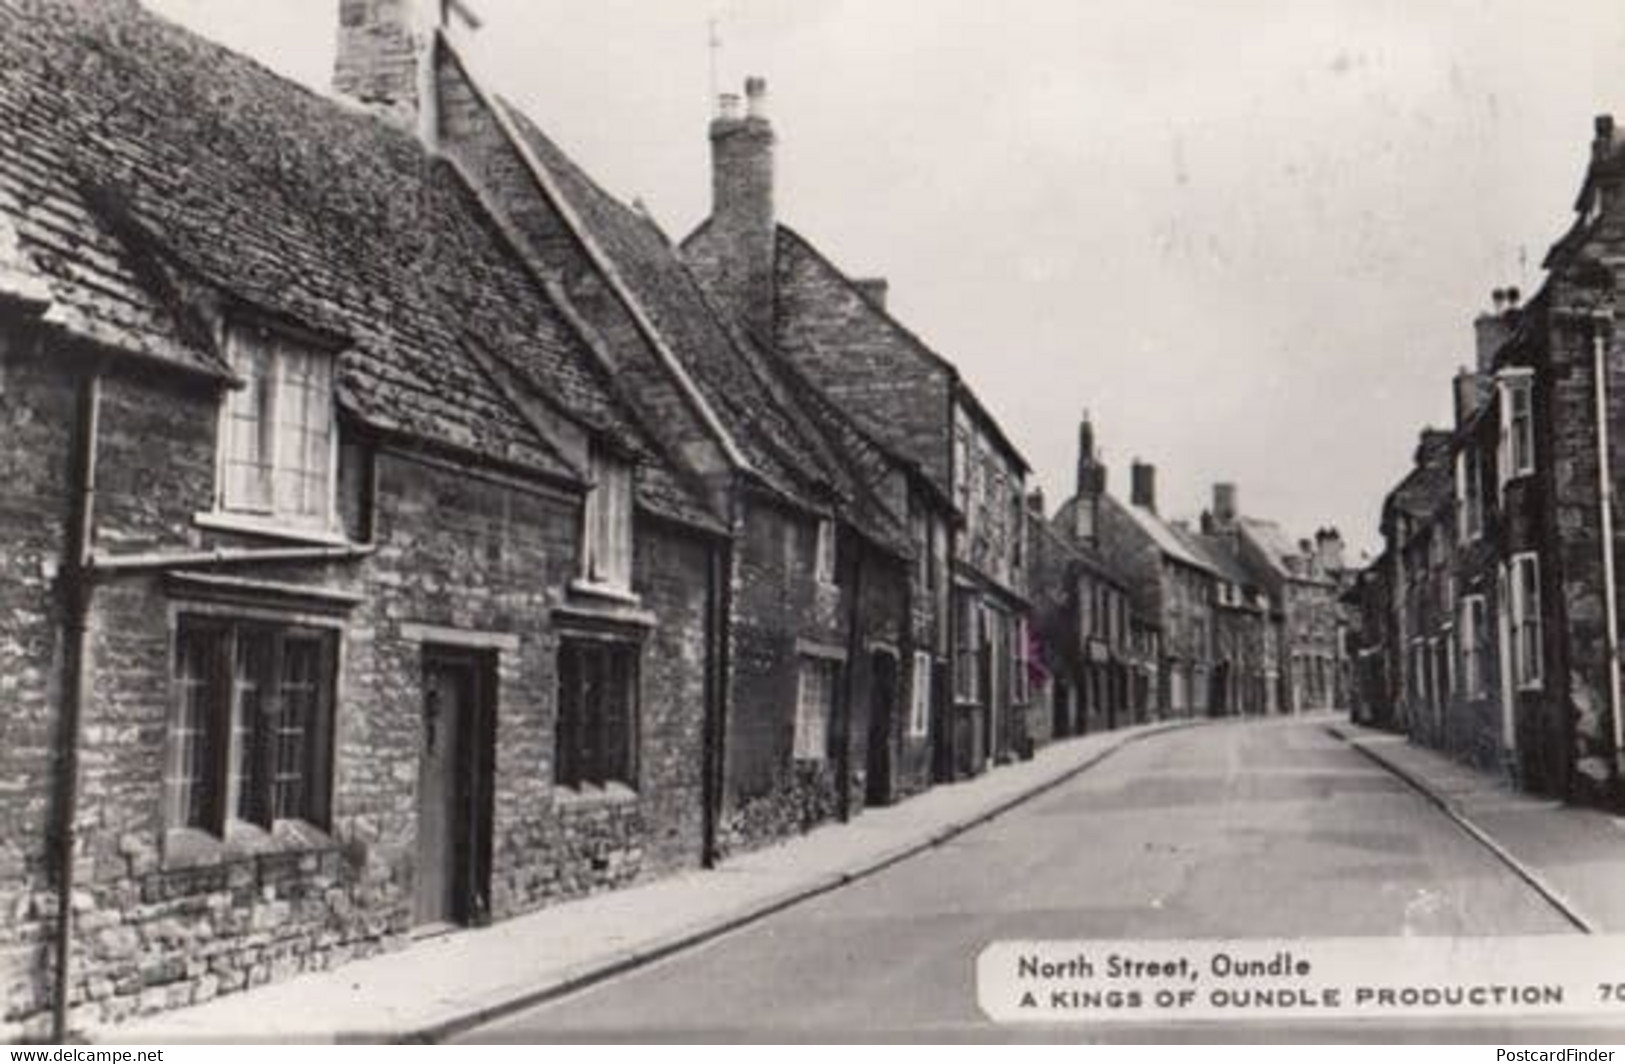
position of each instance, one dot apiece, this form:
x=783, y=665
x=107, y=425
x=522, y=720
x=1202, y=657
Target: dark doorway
x=882, y=728
x=455, y=754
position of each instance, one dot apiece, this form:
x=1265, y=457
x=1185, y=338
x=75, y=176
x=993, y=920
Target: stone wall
x=166, y=917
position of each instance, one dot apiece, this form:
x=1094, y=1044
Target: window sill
x=254, y=525
x=197, y=848
x=592, y=796
x=611, y=592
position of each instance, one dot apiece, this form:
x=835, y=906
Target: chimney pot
x=756, y=97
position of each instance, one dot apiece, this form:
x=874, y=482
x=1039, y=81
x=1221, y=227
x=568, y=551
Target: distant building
x=1168, y=581
x=967, y=495
x=1501, y=545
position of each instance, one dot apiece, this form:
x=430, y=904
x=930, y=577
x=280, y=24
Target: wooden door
x=443, y=790
x=882, y=726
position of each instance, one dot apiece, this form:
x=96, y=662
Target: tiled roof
x=1219, y=553
x=1155, y=529
x=136, y=153
x=807, y=454
x=906, y=342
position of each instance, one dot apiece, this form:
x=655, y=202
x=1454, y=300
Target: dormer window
x=607, y=540
x=277, y=439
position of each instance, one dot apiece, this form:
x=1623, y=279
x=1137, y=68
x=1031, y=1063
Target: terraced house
x=398, y=537
x=965, y=480
x=1520, y=520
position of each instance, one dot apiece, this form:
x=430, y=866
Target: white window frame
x=230, y=504
x=816, y=682
x=1473, y=629
x=1517, y=456
x=1020, y=649
x=1528, y=646
x=606, y=529
x=919, y=716
x=1470, y=493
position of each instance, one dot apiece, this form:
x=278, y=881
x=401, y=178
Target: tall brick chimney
x=742, y=215
x=1472, y=389
x=1143, y=489
x=1493, y=328
x=380, y=62
x=1224, y=504
x=1091, y=484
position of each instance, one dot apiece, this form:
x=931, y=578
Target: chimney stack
x=1329, y=550
x=1471, y=390
x=1492, y=328
x=1602, y=144
x=874, y=289
x=742, y=213
x=1224, y=504
x=384, y=60
x=1143, y=489
x=1091, y=473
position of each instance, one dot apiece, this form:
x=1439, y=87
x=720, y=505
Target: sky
x=1248, y=237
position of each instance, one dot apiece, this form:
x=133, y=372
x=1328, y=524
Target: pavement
x=437, y=987
x=1574, y=856
x=1254, y=829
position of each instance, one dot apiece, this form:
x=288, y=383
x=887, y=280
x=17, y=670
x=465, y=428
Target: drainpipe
x=854, y=643
x=74, y=586
x=76, y=582
x=719, y=605
x=1601, y=327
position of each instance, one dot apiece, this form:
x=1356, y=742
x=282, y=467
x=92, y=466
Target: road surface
x=1267, y=828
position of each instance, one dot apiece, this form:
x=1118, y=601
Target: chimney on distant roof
x=1493, y=328
x=874, y=289
x=742, y=213
x=1091, y=485
x=1224, y=504
x=1329, y=551
x=1143, y=486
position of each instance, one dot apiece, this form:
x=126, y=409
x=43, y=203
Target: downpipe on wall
x=1601, y=333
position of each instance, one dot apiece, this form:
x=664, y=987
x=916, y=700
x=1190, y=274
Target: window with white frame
x=967, y=649
x=1474, y=645
x=815, y=707
x=606, y=554
x=919, y=715
x=1517, y=425
x=1526, y=632
x=1470, y=493
x=1020, y=662
x=824, y=552
x=250, y=729
x=278, y=444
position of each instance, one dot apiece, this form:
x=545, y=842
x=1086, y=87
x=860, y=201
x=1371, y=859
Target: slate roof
x=1220, y=555
x=908, y=342
x=1160, y=533
x=142, y=165
x=810, y=455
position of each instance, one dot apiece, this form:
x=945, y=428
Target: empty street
x=1243, y=830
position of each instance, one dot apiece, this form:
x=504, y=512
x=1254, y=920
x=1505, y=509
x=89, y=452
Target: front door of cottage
x=454, y=794
x=882, y=727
